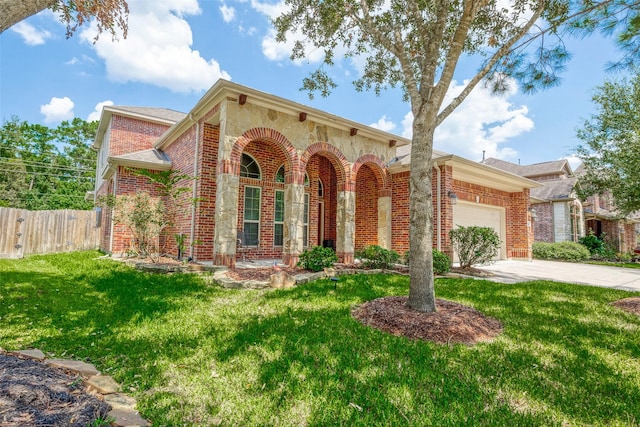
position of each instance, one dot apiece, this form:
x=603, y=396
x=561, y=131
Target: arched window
x=306, y=179
x=280, y=174
x=320, y=189
x=249, y=168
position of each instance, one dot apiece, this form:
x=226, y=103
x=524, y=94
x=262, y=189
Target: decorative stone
x=32, y=354
x=120, y=401
x=127, y=418
x=282, y=279
x=329, y=272
x=82, y=368
x=103, y=384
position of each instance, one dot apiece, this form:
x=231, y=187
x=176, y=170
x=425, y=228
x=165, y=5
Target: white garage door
x=468, y=214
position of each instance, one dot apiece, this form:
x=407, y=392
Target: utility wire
x=7, y=160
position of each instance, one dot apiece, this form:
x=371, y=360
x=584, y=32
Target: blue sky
x=177, y=49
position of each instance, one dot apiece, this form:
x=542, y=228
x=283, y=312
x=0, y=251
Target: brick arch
x=232, y=165
x=379, y=169
x=335, y=156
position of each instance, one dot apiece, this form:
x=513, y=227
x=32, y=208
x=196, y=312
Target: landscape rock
x=282, y=279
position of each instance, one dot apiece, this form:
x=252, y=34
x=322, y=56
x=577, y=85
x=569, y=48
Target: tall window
x=249, y=167
x=280, y=174
x=251, y=224
x=278, y=222
x=305, y=225
x=320, y=189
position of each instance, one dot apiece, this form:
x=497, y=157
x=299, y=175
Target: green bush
x=317, y=258
x=593, y=243
x=474, y=245
x=374, y=256
x=441, y=262
x=567, y=251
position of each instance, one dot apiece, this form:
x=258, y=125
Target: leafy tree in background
x=44, y=168
x=109, y=14
x=417, y=45
x=611, y=151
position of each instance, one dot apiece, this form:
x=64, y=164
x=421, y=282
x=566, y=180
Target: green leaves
x=611, y=149
x=46, y=168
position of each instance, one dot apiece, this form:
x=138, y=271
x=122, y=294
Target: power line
x=8, y=160
x=47, y=174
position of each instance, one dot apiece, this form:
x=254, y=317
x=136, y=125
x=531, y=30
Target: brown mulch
x=631, y=305
x=260, y=274
x=34, y=394
x=451, y=323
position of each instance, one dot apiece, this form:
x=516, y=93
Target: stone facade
x=336, y=190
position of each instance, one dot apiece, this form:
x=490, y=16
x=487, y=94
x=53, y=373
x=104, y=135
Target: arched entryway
x=373, y=203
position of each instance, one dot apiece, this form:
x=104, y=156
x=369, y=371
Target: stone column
x=226, y=231
x=346, y=226
x=293, y=223
x=384, y=221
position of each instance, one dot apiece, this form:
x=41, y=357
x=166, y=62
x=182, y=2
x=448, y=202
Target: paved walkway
x=627, y=279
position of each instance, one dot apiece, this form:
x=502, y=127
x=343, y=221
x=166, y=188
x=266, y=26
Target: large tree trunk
x=421, y=289
x=14, y=11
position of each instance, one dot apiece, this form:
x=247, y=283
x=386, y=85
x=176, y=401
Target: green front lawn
x=198, y=355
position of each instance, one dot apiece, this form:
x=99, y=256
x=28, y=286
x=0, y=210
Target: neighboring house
x=283, y=177
x=603, y=219
x=560, y=215
x=556, y=207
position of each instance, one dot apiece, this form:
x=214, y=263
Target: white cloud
x=384, y=124
x=57, y=110
x=574, y=161
x=278, y=51
x=30, y=34
x=481, y=123
x=97, y=112
x=228, y=13
x=157, y=49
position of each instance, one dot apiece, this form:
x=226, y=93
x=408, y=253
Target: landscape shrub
x=317, y=258
x=593, y=243
x=474, y=245
x=567, y=251
x=441, y=262
x=374, y=256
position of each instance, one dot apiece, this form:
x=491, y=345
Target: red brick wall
x=518, y=238
x=543, y=222
x=129, y=135
x=400, y=212
x=366, y=208
x=182, y=154
x=206, y=192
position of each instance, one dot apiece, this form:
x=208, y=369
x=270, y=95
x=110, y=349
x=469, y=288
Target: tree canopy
x=610, y=153
x=43, y=168
x=109, y=14
x=418, y=44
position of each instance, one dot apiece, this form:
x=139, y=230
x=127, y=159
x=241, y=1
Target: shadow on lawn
x=564, y=362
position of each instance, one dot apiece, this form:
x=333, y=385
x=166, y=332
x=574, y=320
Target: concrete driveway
x=627, y=279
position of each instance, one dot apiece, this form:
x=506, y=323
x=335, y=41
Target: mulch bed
x=451, y=323
x=631, y=305
x=34, y=394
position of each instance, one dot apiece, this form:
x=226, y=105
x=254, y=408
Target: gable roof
x=556, y=189
x=151, y=114
x=467, y=170
x=553, y=167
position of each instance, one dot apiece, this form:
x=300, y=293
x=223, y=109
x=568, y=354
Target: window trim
x=259, y=177
x=275, y=221
x=244, y=213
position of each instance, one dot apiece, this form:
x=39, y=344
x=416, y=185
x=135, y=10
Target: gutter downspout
x=115, y=188
x=195, y=187
x=439, y=208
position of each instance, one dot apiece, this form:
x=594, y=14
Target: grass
x=199, y=355
x=615, y=264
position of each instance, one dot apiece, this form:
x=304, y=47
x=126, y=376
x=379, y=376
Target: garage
x=468, y=214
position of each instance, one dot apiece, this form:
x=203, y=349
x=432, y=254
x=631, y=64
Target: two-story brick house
x=286, y=176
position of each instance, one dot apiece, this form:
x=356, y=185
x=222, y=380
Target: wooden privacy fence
x=24, y=232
